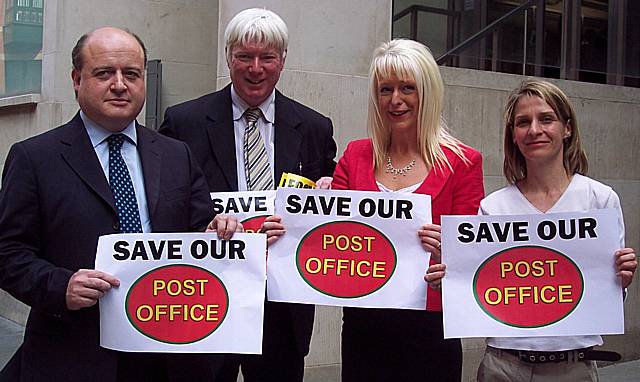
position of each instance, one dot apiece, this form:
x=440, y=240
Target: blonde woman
x=409, y=150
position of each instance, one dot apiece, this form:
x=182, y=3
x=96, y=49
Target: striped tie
x=256, y=162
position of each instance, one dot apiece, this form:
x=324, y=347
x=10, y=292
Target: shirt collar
x=239, y=106
x=98, y=134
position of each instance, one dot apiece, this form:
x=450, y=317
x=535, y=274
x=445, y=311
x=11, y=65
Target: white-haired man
x=244, y=137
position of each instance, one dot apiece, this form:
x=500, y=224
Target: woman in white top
x=545, y=166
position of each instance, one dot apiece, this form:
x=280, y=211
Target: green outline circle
x=395, y=256
x=475, y=279
x=170, y=342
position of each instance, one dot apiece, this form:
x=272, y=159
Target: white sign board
x=249, y=207
x=183, y=292
x=531, y=275
x=349, y=248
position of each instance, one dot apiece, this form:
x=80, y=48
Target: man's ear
x=75, y=76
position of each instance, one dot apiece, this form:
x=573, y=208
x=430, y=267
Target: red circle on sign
x=528, y=286
x=177, y=304
x=253, y=224
x=346, y=259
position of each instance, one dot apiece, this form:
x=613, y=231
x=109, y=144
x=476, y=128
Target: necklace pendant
x=398, y=171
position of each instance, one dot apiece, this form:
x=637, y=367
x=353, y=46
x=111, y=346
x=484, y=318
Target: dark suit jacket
x=54, y=204
x=303, y=145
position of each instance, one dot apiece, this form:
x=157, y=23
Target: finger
x=92, y=294
x=431, y=237
x=275, y=232
x=96, y=284
x=83, y=275
x=431, y=227
x=626, y=278
x=273, y=218
x=239, y=227
x=230, y=229
x=434, y=249
x=628, y=265
x=270, y=226
x=432, y=242
x=272, y=239
x=77, y=302
x=436, y=268
x=112, y=280
x=434, y=277
x=624, y=258
x=220, y=225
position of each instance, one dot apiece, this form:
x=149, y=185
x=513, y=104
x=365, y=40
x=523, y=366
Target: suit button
x=116, y=226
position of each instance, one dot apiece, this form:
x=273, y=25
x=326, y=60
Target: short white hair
x=256, y=25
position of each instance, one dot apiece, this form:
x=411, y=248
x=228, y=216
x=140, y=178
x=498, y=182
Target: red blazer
x=456, y=192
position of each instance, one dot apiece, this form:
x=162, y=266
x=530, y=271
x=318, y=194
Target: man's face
x=255, y=71
x=110, y=86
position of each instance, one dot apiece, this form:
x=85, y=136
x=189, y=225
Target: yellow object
x=296, y=181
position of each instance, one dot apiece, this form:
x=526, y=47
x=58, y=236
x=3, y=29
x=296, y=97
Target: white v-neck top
x=406, y=190
x=582, y=194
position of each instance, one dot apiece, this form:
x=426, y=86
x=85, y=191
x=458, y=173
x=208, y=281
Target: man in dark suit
x=224, y=130
x=101, y=173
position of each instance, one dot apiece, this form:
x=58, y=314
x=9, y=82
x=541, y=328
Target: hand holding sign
x=430, y=237
x=225, y=226
x=434, y=275
x=87, y=286
x=324, y=183
x=626, y=264
x=274, y=228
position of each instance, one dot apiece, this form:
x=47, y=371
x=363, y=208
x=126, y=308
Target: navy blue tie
x=122, y=187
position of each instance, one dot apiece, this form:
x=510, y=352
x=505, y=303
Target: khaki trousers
x=500, y=366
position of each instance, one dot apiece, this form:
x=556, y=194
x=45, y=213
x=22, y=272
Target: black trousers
x=167, y=367
x=281, y=359
x=397, y=345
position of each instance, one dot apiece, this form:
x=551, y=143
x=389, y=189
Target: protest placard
x=183, y=292
x=531, y=275
x=249, y=207
x=349, y=248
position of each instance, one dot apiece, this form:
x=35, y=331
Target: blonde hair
x=256, y=25
x=409, y=59
x=574, y=158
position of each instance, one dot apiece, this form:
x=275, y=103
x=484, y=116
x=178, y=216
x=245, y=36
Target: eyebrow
x=108, y=67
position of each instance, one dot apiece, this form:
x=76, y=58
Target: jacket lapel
x=151, y=165
x=437, y=178
x=286, y=136
x=79, y=154
x=219, y=127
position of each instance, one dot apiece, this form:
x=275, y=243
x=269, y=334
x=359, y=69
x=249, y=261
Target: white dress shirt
x=98, y=136
x=265, y=125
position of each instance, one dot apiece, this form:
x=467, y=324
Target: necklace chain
x=398, y=171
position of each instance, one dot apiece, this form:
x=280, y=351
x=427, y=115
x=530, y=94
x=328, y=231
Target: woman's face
x=398, y=101
x=537, y=130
